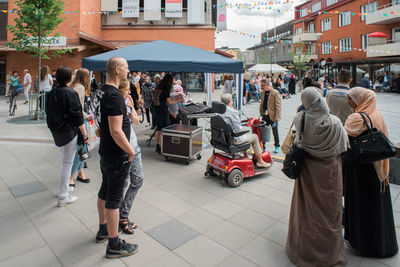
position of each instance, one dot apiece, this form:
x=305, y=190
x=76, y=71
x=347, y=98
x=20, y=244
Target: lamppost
x=319, y=66
x=271, y=48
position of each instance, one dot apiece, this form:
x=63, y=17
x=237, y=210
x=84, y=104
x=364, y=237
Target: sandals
x=126, y=226
x=80, y=179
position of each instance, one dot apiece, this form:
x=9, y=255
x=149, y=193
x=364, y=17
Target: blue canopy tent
x=167, y=56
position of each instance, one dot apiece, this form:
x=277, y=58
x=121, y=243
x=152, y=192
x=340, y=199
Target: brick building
x=89, y=34
x=335, y=33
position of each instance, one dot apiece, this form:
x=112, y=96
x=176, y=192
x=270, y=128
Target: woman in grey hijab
x=315, y=233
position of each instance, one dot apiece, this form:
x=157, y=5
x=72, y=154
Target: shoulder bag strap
x=303, y=122
x=369, y=126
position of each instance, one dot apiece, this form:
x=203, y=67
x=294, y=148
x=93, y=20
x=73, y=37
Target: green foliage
x=35, y=21
x=298, y=62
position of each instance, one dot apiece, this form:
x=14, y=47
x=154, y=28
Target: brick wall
x=354, y=30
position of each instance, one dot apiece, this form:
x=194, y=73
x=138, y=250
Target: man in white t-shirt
x=27, y=85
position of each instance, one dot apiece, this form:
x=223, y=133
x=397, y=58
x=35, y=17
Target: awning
x=162, y=55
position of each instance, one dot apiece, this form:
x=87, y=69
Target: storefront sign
x=196, y=12
x=52, y=41
x=130, y=8
x=173, y=8
x=152, y=10
x=109, y=5
x=221, y=15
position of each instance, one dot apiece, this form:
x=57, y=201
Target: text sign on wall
x=130, y=8
x=196, y=12
x=173, y=8
x=52, y=41
x=152, y=10
x=221, y=15
x=109, y=5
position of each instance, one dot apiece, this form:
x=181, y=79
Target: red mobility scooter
x=227, y=163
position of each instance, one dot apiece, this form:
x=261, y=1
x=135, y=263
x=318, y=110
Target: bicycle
x=13, y=100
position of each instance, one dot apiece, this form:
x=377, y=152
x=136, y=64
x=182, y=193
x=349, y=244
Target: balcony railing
x=384, y=48
x=390, y=13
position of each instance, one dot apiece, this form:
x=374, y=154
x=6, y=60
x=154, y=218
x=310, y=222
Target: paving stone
x=170, y=259
x=202, y=251
x=35, y=258
x=230, y=236
x=277, y=233
x=172, y=234
x=14, y=222
x=200, y=220
x=264, y=253
x=149, y=249
x=253, y=221
x=27, y=189
x=236, y=261
x=223, y=208
x=16, y=243
x=148, y=218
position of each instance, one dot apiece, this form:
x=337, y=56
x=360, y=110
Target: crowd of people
x=317, y=213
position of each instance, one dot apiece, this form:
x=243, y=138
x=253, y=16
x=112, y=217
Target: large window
x=371, y=7
x=344, y=18
x=345, y=45
x=326, y=24
x=326, y=48
x=311, y=28
x=316, y=7
x=299, y=31
x=364, y=41
x=396, y=35
x=304, y=13
x=331, y=2
x=311, y=49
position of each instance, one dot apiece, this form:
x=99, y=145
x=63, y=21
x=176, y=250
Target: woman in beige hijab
x=369, y=224
x=315, y=232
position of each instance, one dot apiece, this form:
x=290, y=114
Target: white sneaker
x=147, y=125
x=66, y=201
x=71, y=189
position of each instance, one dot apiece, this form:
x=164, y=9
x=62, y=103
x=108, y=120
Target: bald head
x=115, y=64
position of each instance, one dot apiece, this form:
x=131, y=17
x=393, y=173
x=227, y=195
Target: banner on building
x=196, y=12
x=109, y=5
x=221, y=15
x=173, y=8
x=152, y=10
x=130, y=8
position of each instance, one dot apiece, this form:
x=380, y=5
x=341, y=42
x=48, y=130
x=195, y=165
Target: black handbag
x=294, y=158
x=372, y=145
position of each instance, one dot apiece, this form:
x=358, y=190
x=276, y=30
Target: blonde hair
x=82, y=76
x=124, y=85
x=44, y=72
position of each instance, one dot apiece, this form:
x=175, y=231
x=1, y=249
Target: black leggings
x=148, y=114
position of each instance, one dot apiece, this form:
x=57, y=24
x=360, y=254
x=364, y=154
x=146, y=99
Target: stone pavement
x=184, y=218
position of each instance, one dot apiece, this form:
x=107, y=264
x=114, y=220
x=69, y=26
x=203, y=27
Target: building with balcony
x=88, y=33
x=334, y=33
x=276, y=46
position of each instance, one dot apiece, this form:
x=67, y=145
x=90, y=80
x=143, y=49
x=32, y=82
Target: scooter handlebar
x=262, y=124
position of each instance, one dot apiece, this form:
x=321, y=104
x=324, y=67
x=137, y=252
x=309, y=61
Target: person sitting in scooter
x=232, y=118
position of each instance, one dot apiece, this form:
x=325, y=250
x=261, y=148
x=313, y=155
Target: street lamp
x=318, y=36
x=270, y=48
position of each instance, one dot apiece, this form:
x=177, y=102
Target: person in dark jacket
x=292, y=85
x=365, y=82
x=65, y=119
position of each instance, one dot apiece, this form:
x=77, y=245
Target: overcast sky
x=253, y=22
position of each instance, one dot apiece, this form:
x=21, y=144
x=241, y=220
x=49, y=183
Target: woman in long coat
x=369, y=224
x=315, y=232
x=292, y=85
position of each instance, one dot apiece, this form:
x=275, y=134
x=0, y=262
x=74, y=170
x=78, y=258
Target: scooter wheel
x=198, y=156
x=235, y=178
x=187, y=162
x=166, y=158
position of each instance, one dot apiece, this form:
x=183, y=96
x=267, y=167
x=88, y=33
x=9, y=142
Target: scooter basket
x=265, y=133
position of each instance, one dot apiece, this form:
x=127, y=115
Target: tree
x=35, y=21
x=299, y=62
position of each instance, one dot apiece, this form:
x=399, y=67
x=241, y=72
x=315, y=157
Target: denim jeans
x=78, y=164
x=136, y=180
